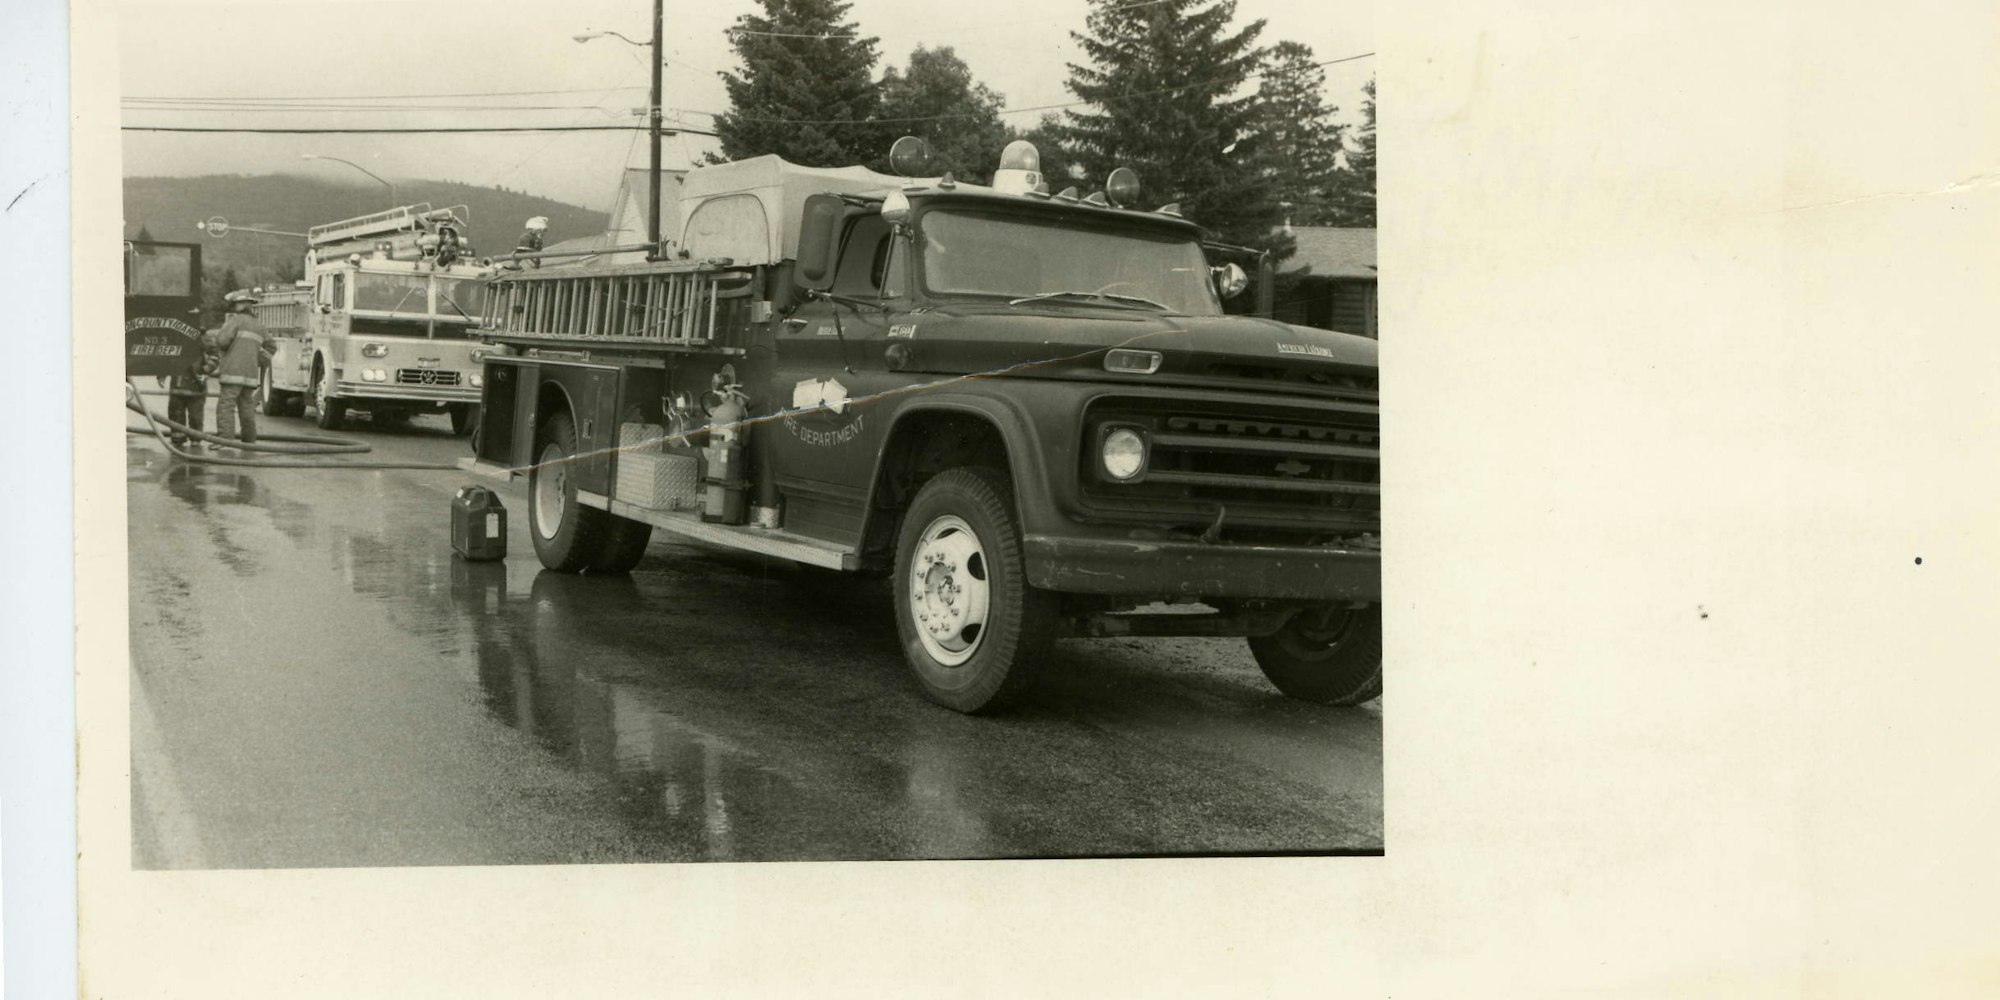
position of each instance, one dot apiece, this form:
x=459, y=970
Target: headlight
x=1124, y=453
x=374, y=375
x=476, y=380
x=374, y=350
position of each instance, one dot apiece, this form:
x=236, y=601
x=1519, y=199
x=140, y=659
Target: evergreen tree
x=1353, y=192
x=1301, y=141
x=1166, y=87
x=145, y=235
x=807, y=90
x=962, y=115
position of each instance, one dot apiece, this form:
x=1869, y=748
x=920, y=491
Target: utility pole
x=653, y=114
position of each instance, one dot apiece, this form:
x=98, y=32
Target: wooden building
x=1329, y=282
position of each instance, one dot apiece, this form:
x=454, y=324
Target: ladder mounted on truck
x=677, y=306
x=399, y=228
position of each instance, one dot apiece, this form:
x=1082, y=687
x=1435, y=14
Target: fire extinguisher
x=724, y=488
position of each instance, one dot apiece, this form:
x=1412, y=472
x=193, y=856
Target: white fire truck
x=383, y=322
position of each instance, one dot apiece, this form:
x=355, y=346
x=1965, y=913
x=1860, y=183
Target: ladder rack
x=686, y=305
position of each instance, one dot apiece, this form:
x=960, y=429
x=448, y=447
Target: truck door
x=162, y=304
x=831, y=377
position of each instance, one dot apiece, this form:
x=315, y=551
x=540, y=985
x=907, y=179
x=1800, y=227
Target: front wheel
x=568, y=536
x=974, y=633
x=328, y=410
x=1332, y=656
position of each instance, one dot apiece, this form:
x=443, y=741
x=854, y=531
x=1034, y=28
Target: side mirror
x=819, y=242
x=1230, y=280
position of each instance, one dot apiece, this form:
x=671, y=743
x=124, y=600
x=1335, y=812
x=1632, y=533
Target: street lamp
x=392, y=188
x=652, y=123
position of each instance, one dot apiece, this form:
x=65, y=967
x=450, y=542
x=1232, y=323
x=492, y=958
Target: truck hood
x=1048, y=341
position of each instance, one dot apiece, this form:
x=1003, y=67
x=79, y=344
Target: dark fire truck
x=162, y=307
x=1027, y=408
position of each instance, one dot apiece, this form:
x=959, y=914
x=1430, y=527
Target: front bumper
x=1149, y=568
x=406, y=393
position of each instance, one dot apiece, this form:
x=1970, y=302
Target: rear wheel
x=974, y=633
x=274, y=399
x=1332, y=656
x=624, y=544
x=329, y=411
x=464, y=417
x=568, y=536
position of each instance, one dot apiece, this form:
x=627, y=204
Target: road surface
x=318, y=682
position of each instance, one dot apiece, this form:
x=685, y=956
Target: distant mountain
x=169, y=207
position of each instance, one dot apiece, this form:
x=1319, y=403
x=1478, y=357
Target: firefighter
x=187, y=396
x=246, y=351
x=531, y=240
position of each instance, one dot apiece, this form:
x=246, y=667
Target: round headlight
x=1124, y=453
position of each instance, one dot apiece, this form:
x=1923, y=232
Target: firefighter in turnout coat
x=246, y=351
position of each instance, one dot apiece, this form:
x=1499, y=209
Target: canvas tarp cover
x=721, y=204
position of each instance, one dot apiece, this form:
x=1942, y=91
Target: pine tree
x=1300, y=140
x=1353, y=191
x=145, y=235
x=1166, y=88
x=812, y=100
x=961, y=116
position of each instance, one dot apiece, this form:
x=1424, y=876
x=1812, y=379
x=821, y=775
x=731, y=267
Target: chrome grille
x=1298, y=469
x=425, y=376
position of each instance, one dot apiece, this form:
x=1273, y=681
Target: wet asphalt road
x=318, y=682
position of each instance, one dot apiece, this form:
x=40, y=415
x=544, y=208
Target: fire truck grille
x=1292, y=470
x=425, y=376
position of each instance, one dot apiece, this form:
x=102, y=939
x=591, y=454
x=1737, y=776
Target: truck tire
x=1331, y=656
x=273, y=401
x=567, y=535
x=464, y=417
x=328, y=410
x=624, y=544
x=974, y=633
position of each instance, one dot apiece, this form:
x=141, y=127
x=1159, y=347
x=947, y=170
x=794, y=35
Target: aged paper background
x=1691, y=355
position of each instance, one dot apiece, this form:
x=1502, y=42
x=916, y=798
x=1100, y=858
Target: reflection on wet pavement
x=710, y=706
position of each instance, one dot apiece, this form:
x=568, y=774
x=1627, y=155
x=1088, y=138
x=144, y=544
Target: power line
x=241, y=130
x=392, y=97
x=712, y=114
x=374, y=108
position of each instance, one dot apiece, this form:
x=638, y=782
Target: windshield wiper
x=1113, y=296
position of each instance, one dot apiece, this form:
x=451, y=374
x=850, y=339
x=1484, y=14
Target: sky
x=248, y=52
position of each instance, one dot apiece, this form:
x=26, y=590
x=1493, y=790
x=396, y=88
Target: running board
x=763, y=541
x=491, y=470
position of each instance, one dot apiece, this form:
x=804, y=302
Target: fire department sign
x=159, y=345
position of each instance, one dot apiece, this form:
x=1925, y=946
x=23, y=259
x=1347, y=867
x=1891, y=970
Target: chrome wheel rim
x=950, y=590
x=551, y=480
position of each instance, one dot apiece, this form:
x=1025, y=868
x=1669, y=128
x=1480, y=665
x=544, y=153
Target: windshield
x=461, y=298
x=158, y=270
x=405, y=294
x=1018, y=257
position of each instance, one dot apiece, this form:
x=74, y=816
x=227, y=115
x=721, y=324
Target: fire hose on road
x=283, y=444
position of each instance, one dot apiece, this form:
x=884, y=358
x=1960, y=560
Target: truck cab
x=1028, y=409
x=392, y=303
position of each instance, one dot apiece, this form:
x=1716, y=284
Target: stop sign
x=216, y=226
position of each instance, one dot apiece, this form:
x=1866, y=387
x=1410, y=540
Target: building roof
x=1329, y=252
